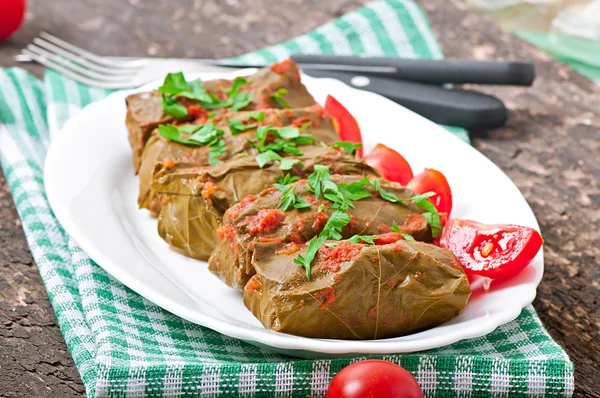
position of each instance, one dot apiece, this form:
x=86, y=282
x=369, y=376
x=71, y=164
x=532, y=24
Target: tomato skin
x=374, y=378
x=431, y=180
x=493, y=251
x=12, y=14
x=345, y=124
x=390, y=164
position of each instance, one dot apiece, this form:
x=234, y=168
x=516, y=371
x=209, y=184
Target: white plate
x=91, y=187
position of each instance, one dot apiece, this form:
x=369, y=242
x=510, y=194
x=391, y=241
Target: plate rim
x=273, y=339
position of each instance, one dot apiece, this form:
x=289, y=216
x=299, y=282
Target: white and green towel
x=125, y=346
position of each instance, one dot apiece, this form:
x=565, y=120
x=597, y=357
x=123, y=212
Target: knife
x=468, y=109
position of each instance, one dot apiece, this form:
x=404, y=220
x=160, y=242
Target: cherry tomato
x=374, y=378
x=345, y=124
x=493, y=251
x=12, y=13
x=390, y=164
x=431, y=180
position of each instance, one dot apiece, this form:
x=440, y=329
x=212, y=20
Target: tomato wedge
x=390, y=164
x=493, y=251
x=345, y=124
x=431, y=180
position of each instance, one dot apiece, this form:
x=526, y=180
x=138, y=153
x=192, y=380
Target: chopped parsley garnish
x=313, y=246
x=171, y=107
x=289, y=199
x=284, y=163
x=199, y=135
x=256, y=115
x=394, y=228
x=349, y=147
x=237, y=126
x=332, y=230
x=176, y=85
x=287, y=179
x=287, y=140
x=278, y=96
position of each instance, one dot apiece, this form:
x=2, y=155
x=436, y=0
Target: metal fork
x=106, y=72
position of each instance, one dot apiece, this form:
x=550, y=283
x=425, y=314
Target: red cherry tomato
x=390, y=164
x=494, y=251
x=374, y=378
x=431, y=180
x=12, y=13
x=345, y=124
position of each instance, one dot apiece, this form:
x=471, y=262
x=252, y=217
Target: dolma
x=194, y=199
x=357, y=291
x=145, y=111
x=159, y=149
x=257, y=219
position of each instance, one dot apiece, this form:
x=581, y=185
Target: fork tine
x=91, y=56
x=80, y=60
x=82, y=79
x=78, y=69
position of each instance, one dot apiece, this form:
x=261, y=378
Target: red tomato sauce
x=265, y=221
x=320, y=219
x=236, y=210
x=282, y=67
x=330, y=258
x=326, y=296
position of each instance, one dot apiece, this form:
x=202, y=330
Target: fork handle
x=435, y=71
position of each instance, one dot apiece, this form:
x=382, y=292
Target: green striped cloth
x=125, y=346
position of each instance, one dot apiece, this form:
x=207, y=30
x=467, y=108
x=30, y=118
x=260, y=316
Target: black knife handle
x=462, y=108
x=433, y=71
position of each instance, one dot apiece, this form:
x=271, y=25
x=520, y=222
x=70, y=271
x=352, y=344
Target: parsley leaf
x=237, y=126
x=362, y=238
x=313, y=246
x=333, y=228
x=431, y=214
x=284, y=163
x=207, y=135
x=385, y=195
x=278, y=96
x=394, y=228
x=289, y=198
x=195, y=90
x=216, y=150
x=318, y=178
x=256, y=115
x=349, y=147
x=173, y=84
x=172, y=133
x=287, y=179
x=171, y=107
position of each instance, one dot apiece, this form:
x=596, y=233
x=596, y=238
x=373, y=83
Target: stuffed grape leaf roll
x=357, y=291
x=194, y=199
x=260, y=218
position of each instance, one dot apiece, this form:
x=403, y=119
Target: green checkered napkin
x=125, y=346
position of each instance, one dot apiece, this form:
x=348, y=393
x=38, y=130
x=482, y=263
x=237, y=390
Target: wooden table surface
x=550, y=148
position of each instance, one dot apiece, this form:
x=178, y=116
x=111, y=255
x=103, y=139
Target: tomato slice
x=374, y=378
x=390, y=164
x=345, y=124
x=493, y=251
x=431, y=180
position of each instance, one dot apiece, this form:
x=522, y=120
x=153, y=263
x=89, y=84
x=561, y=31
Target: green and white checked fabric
x=125, y=346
